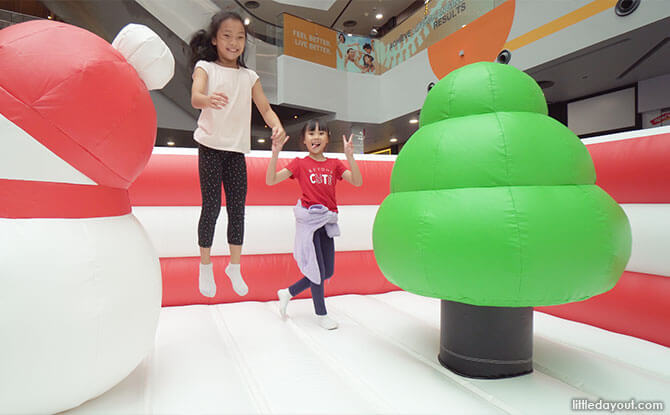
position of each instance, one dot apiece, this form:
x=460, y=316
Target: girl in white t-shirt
x=223, y=88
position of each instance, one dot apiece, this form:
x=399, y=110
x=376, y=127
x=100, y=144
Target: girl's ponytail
x=202, y=48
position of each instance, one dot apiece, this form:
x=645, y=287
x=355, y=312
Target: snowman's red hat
x=78, y=97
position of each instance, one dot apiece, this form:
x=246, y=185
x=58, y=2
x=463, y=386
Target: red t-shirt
x=317, y=180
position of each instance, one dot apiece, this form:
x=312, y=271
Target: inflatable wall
x=630, y=166
x=166, y=199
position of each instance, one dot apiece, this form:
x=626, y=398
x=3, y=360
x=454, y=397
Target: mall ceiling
x=614, y=63
x=357, y=17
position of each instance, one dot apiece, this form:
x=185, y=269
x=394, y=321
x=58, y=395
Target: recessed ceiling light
x=252, y=4
x=379, y=16
x=295, y=116
x=349, y=34
x=247, y=21
x=266, y=126
x=394, y=140
x=413, y=121
x=374, y=31
x=170, y=142
x=261, y=140
x=349, y=23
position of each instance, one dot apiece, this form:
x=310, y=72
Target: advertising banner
x=309, y=41
x=439, y=19
x=355, y=54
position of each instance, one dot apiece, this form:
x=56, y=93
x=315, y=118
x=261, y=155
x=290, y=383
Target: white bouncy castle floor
x=242, y=358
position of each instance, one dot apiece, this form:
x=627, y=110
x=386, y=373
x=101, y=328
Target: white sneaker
x=327, y=322
x=284, y=297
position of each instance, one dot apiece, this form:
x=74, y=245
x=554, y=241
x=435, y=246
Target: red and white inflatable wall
x=632, y=167
x=166, y=199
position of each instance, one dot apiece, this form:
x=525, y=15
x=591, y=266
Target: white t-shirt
x=229, y=128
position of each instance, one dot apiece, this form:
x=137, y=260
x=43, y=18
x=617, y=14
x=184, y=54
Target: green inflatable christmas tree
x=494, y=209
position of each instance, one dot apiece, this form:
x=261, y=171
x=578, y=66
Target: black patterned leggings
x=216, y=167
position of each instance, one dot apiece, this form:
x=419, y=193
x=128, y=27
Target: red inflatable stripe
x=21, y=199
x=172, y=180
x=637, y=306
x=356, y=272
x=634, y=170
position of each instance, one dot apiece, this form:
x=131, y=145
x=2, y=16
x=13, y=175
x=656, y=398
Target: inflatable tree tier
x=494, y=209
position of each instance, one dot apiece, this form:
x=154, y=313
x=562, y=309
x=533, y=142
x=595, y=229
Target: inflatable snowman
x=80, y=283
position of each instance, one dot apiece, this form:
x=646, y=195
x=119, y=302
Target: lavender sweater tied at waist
x=307, y=221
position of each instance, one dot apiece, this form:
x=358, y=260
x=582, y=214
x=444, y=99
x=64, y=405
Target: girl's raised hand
x=348, y=145
x=278, y=144
x=217, y=100
x=278, y=133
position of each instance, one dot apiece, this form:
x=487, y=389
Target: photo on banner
x=355, y=54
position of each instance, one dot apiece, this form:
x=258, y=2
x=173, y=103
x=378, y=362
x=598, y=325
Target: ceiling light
x=349, y=34
x=295, y=117
x=413, y=121
x=349, y=23
x=379, y=16
x=394, y=140
x=463, y=26
x=266, y=126
x=246, y=21
x=170, y=142
x=261, y=140
x=374, y=31
x=252, y=4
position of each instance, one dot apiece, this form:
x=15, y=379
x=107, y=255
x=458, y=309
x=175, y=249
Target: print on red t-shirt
x=317, y=180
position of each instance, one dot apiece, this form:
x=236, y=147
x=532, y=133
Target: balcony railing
x=8, y=18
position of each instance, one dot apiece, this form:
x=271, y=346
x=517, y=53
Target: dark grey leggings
x=216, y=167
x=325, y=256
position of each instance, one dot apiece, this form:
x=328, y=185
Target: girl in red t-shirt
x=316, y=212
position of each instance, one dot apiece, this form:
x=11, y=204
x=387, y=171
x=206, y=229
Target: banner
x=309, y=41
x=355, y=54
x=437, y=20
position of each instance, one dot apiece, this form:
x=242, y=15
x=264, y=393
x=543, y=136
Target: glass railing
x=8, y=18
x=267, y=31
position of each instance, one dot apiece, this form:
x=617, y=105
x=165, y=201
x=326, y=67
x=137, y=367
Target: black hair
x=342, y=36
x=369, y=56
x=368, y=46
x=312, y=125
x=201, y=42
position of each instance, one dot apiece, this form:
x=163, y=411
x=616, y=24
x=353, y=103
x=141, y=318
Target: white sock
x=327, y=322
x=233, y=272
x=284, y=296
x=206, y=280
